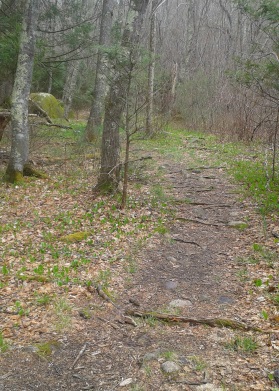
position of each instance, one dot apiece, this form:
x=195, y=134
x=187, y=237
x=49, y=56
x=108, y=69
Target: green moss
x=13, y=176
x=45, y=349
x=30, y=170
x=75, y=237
x=49, y=104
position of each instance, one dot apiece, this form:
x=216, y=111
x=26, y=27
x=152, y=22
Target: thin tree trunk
x=95, y=117
x=50, y=81
x=275, y=145
x=151, y=71
x=70, y=85
x=110, y=153
x=21, y=90
x=109, y=172
x=172, y=90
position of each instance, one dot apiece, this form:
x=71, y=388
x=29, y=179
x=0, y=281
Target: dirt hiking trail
x=189, y=271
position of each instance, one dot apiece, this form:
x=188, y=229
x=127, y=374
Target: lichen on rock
x=48, y=103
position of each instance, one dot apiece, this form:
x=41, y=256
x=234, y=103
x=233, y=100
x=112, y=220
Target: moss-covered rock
x=48, y=103
x=75, y=237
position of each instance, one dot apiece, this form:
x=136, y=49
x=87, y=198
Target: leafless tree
x=21, y=90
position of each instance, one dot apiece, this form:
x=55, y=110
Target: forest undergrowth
x=59, y=240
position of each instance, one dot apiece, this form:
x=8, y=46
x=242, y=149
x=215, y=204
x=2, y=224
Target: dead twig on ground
x=189, y=383
x=114, y=326
x=54, y=125
x=204, y=168
x=79, y=355
x=214, y=322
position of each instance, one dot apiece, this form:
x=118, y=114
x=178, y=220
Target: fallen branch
x=215, y=322
x=194, y=190
x=54, y=125
x=102, y=294
x=114, y=326
x=189, y=382
x=204, y=168
x=40, y=110
x=79, y=355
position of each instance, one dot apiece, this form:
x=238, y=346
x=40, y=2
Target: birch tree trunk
x=99, y=93
x=110, y=153
x=21, y=90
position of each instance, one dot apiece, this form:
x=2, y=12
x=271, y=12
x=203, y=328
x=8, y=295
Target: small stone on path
x=178, y=303
x=225, y=300
x=170, y=367
x=171, y=285
x=126, y=382
x=171, y=259
x=208, y=387
x=276, y=375
x=151, y=356
x=238, y=224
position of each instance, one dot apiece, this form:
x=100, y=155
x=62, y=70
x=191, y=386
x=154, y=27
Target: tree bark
x=151, y=70
x=21, y=91
x=70, y=85
x=110, y=153
x=95, y=117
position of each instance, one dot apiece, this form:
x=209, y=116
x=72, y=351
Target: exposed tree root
x=198, y=221
x=30, y=170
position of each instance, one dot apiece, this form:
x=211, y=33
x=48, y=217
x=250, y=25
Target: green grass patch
x=244, y=344
x=3, y=344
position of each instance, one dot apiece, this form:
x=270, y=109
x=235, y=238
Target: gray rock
x=151, y=356
x=225, y=300
x=126, y=382
x=171, y=259
x=205, y=298
x=238, y=224
x=170, y=367
x=170, y=285
x=208, y=387
x=276, y=375
x=178, y=303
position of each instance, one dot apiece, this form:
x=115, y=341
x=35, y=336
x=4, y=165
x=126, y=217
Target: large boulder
x=48, y=103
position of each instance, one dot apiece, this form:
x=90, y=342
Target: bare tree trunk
x=172, y=91
x=99, y=93
x=70, y=85
x=21, y=90
x=110, y=153
x=151, y=70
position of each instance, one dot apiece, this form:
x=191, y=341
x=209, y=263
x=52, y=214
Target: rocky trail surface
x=189, y=273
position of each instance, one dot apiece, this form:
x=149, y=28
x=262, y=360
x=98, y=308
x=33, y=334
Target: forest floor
x=83, y=312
